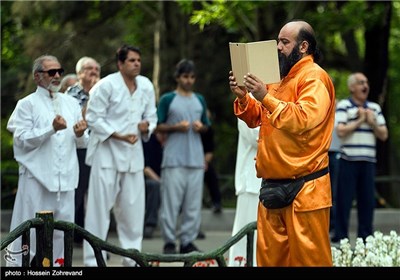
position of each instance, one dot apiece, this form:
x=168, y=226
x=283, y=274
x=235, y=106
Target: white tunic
x=245, y=171
x=247, y=187
x=109, y=102
x=48, y=155
x=48, y=163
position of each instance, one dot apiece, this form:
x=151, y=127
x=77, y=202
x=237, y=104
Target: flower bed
x=378, y=250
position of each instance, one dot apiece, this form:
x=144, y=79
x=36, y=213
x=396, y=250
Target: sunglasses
x=52, y=72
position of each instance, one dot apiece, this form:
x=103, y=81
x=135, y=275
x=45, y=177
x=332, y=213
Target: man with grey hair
x=88, y=73
x=67, y=81
x=47, y=127
x=359, y=123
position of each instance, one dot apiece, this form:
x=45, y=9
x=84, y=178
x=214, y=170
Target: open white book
x=258, y=58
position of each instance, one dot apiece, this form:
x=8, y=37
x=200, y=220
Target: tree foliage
x=352, y=35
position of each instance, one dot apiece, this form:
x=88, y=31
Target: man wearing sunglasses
x=47, y=128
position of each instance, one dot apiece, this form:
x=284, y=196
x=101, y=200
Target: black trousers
x=211, y=180
x=153, y=200
x=81, y=191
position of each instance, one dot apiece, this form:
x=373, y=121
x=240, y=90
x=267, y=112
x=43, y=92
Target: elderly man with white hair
x=88, y=73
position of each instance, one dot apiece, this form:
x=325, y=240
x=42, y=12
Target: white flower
x=378, y=250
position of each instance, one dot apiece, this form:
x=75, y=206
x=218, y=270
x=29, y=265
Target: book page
x=238, y=61
x=263, y=61
x=258, y=58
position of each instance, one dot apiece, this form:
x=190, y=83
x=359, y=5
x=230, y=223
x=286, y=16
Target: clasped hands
x=143, y=127
x=367, y=115
x=184, y=126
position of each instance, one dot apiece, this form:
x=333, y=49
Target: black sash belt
x=306, y=178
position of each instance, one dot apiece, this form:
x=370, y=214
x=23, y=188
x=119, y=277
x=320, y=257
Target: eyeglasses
x=91, y=68
x=52, y=72
x=361, y=82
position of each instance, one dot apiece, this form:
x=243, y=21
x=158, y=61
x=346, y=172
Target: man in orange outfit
x=296, y=119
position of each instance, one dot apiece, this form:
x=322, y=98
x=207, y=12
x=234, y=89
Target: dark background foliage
x=353, y=36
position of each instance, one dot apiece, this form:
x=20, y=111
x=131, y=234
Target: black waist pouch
x=275, y=194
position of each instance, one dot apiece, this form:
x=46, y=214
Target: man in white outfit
x=120, y=113
x=247, y=188
x=47, y=128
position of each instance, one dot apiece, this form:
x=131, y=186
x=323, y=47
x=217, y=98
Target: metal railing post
x=44, y=240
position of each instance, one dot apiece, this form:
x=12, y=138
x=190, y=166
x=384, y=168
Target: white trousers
x=124, y=193
x=32, y=197
x=246, y=212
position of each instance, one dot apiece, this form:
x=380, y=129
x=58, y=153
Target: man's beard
x=286, y=62
x=54, y=88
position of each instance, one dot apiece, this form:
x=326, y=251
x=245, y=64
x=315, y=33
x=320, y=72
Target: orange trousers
x=286, y=237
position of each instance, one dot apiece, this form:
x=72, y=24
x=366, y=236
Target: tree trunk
x=376, y=70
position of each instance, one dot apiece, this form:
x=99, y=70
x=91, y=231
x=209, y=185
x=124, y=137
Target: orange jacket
x=296, y=119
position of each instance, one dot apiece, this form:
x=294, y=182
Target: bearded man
x=47, y=128
x=296, y=118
